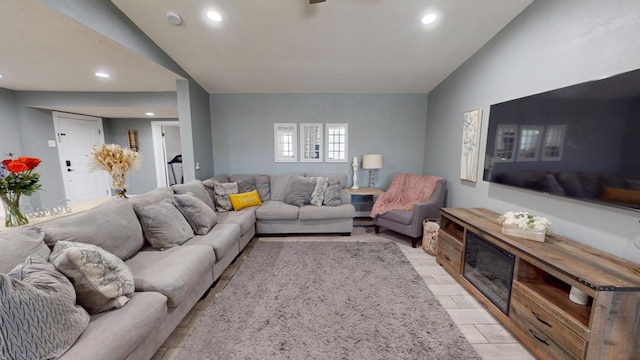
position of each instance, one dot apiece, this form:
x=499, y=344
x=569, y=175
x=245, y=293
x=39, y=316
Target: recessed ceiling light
x=102, y=75
x=0, y=76
x=149, y=113
x=429, y=18
x=214, y=16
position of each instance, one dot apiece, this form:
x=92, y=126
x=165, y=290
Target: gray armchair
x=409, y=222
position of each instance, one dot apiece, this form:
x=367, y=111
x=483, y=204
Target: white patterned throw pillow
x=222, y=191
x=101, y=280
x=317, y=196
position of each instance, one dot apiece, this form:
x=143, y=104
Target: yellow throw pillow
x=244, y=200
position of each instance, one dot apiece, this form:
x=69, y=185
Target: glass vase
x=117, y=183
x=12, y=214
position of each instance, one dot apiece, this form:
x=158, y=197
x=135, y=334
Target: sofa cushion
x=195, y=187
x=397, y=216
x=163, y=224
x=298, y=190
x=152, y=197
x=16, y=244
x=174, y=272
x=245, y=218
x=245, y=200
x=222, y=192
x=311, y=212
x=278, y=184
x=246, y=184
x=262, y=182
x=200, y=216
x=333, y=195
x=39, y=315
x=317, y=196
x=143, y=315
x=112, y=225
x=277, y=210
x=101, y=280
x=222, y=239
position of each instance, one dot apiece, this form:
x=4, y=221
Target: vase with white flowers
x=525, y=225
x=116, y=161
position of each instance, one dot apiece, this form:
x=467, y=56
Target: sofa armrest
x=429, y=209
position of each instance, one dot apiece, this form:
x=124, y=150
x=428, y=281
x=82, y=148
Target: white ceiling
x=265, y=46
x=339, y=46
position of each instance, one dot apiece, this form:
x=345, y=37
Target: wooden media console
x=537, y=288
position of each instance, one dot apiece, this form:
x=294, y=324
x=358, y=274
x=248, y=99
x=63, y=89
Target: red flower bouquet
x=20, y=180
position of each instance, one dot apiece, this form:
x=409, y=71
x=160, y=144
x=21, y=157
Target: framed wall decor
x=285, y=142
x=337, y=142
x=470, y=145
x=311, y=148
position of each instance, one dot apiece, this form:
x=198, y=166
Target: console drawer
x=547, y=332
x=449, y=252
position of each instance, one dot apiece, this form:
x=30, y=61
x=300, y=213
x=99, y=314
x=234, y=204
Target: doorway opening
x=167, y=151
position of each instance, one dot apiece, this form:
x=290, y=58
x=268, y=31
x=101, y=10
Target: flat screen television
x=580, y=141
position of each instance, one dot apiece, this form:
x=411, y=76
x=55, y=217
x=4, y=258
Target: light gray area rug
x=326, y=300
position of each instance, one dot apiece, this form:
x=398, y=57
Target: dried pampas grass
x=116, y=161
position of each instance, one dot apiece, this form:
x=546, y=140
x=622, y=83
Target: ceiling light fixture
x=429, y=18
x=0, y=76
x=102, y=75
x=214, y=16
x=149, y=113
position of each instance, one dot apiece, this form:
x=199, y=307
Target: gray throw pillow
x=298, y=190
x=333, y=195
x=18, y=243
x=101, y=280
x=222, y=191
x=200, y=216
x=39, y=315
x=163, y=224
x=317, y=196
x=197, y=188
x=246, y=185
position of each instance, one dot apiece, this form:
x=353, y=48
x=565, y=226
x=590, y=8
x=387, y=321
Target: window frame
x=280, y=129
x=329, y=145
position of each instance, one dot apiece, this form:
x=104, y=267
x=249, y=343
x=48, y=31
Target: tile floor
x=490, y=339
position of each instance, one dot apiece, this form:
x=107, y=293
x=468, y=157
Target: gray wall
x=9, y=142
x=390, y=124
x=115, y=132
x=551, y=44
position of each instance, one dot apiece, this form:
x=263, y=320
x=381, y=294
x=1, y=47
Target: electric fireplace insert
x=489, y=269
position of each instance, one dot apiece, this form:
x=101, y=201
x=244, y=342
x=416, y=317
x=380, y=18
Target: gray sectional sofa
x=168, y=282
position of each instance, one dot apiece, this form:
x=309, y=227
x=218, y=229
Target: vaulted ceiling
x=266, y=46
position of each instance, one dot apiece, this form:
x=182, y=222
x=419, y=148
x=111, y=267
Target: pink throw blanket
x=405, y=191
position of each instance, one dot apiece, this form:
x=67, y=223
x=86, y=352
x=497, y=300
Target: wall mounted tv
x=581, y=141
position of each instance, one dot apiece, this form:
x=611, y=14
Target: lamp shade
x=372, y=161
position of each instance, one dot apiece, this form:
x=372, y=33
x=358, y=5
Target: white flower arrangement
x=526, y=221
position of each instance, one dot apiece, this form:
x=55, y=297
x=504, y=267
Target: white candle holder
x=354, y=165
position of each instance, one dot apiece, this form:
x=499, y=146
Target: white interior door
x=76, y=135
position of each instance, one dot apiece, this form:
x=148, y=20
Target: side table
x=363, y=199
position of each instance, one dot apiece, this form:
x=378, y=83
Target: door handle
x=69, y=170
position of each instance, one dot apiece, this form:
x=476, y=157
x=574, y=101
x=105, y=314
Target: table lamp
x=371, y=162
